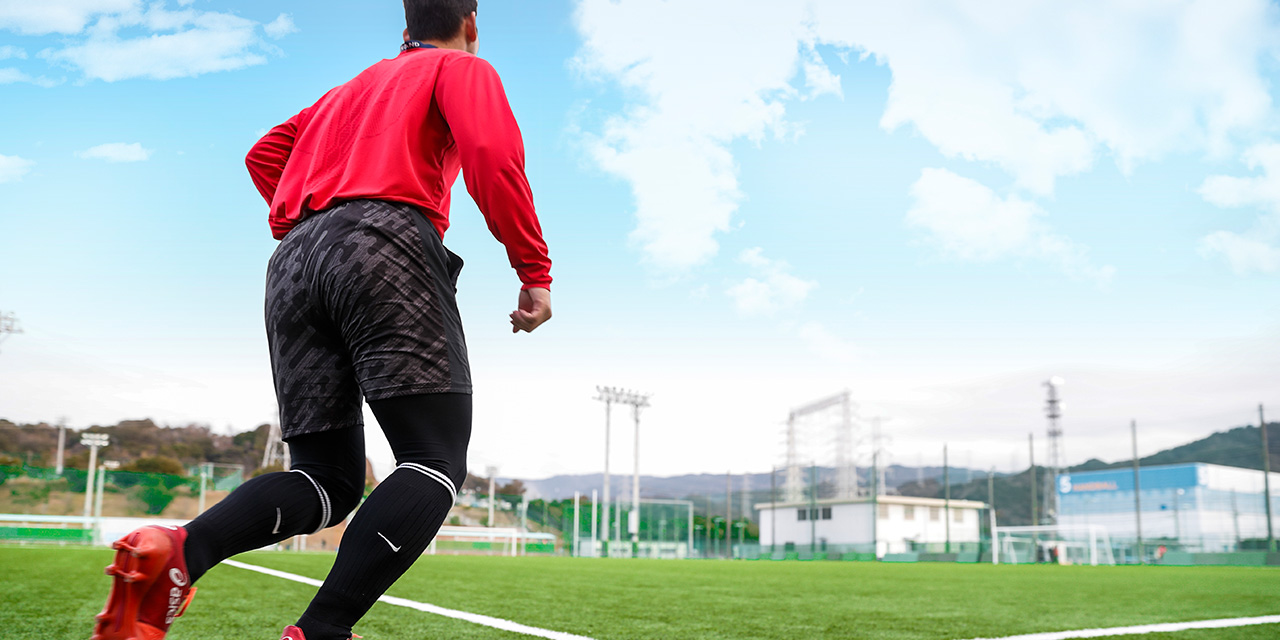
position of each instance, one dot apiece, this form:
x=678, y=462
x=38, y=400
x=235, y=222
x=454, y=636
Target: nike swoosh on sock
x=393, y=547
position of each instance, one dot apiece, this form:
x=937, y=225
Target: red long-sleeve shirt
x=401, y=131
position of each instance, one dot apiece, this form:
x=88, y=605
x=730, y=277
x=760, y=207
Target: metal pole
x=1177, y=517
x=203, y=476
x=813, y=508
x=773, y=510
x=1137, y=492
x=728, y=515
x=991, y=506
x=1235, y=521
x=102, y=480
x=690, y=554
x=577, y=520
x=635, y=489
x=595, y=524
x=62, y=444
x=88, y=489
x=946, y=500
x=493, y=497
x=1035, y=537
x=608, y=514
x=1031, y=439
x=875, y=505
x=1266, y=478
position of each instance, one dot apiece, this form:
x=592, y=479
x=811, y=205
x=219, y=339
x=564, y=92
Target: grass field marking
x=488, y=621
x=1166, y=627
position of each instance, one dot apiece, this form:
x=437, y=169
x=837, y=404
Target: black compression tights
x=428, y=435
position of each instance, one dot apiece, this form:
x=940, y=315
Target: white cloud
x=10, y=51
x=201, y=43
x=967, y=220
x=56, y=16
x=771, y=289
x=116, y=152
x=10, y=75
x=12, y=168
x=1256, y=251
x=1040, y=88
x=1245, y=255
x=715, y=75
x=280, y=27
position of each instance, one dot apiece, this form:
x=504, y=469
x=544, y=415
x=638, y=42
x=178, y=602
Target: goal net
x=1053, y=544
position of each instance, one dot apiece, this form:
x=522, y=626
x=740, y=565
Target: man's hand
x=533, y=309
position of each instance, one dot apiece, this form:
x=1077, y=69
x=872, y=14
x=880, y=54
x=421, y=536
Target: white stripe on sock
x=325, y=511
x=434, y=475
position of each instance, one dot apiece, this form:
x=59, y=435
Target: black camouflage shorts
x=360, y=300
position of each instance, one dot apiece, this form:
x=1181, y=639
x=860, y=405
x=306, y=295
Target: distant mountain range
x=710, y=484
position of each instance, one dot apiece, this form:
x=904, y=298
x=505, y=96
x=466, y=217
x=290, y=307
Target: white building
x=896, y=524
x=1204, y=507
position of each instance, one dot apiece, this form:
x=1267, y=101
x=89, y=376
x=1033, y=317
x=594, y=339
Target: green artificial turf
x=53, y=593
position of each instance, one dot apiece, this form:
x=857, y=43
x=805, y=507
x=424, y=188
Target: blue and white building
x=1203, y=507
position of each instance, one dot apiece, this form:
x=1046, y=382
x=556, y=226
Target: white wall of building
x=900, y=522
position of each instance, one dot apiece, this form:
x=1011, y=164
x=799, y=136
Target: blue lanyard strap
x=414, y=44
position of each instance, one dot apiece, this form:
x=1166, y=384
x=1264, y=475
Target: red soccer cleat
x=151, y=585
x=293, y=633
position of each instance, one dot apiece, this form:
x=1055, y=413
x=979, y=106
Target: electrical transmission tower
x=846, y=465
x=1056, y=459
x=8, y=325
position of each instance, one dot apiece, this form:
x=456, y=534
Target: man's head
x=451, y=23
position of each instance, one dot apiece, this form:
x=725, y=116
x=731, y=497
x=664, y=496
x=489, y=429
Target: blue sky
x=748, y=207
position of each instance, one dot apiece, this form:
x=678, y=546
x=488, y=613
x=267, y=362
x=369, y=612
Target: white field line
x=1146, y=628
x=496, y=623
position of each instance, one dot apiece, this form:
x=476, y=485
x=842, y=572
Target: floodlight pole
x=1266, y=478
x=606, y=395
x=595, y=523
x=93, y=441
x=1137, y=492
x=638, y=401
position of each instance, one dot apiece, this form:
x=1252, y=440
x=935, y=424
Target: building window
x=935, y=514
x=908, y=513
x=957, y=515
x=826, y=513
x=884, y=511
x=802, y=514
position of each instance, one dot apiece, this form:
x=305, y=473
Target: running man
x=360, y=302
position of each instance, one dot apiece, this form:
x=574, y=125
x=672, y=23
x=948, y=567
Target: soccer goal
x=1053, y=544
x=495, y=541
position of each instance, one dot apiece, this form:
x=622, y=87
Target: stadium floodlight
x=638, y=401
x=93, y=441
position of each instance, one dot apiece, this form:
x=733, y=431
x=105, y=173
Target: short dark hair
x=436, y=19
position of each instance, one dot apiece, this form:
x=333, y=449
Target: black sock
x=262, y=511
x=384, y=538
